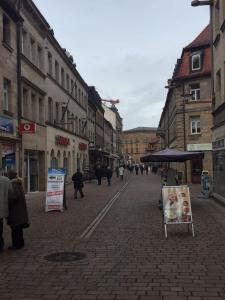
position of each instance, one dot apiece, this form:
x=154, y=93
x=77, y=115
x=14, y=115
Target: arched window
x=65, y=163
x=58, y=159
x=69, y=164
x=53, y=160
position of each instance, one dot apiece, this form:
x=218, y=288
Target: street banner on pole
x=55, y=190
x=176, y=206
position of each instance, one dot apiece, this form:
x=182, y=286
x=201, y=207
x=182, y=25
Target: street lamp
x=203, y=2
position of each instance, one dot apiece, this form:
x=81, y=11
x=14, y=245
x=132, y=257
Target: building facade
x=218, y=130
x=10, y=141
x=186, y=119
x=138, y=142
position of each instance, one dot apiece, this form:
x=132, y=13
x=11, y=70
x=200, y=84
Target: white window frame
x=197, y=124
x=194, y=92
x=192, y=61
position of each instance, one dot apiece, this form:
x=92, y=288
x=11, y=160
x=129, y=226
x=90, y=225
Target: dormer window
x=196, y=62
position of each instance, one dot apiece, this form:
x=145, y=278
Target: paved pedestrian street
x=126, y=253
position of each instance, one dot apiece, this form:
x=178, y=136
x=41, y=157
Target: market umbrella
x=171, y=155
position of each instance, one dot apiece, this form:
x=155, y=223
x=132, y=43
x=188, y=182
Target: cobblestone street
x=127, y=255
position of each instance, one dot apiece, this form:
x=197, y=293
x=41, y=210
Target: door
x=196, y=170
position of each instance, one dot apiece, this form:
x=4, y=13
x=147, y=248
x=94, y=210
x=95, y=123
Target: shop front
x=219, y=168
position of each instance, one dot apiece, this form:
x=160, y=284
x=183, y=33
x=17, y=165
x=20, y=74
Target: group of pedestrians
x=137, y=168
x=13, y=209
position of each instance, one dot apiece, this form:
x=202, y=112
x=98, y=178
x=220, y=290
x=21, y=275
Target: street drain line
x=90, y=229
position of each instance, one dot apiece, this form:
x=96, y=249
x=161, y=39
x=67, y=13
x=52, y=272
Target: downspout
x=19, y=88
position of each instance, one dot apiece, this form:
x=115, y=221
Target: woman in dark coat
x=18, y=216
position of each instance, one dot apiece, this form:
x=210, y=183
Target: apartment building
x=138, y=142
x=186, y=120
x=10, y=142
x=218, y=130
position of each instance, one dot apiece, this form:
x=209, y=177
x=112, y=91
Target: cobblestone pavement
x=127, y=256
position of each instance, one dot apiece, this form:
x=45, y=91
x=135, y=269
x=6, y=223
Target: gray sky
x=126, y=48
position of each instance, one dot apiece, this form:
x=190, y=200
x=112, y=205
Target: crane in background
x=113, y=102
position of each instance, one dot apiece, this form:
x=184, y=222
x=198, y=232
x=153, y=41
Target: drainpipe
x=19, y=88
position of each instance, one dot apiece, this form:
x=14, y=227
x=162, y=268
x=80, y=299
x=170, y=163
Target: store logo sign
x=28, y=127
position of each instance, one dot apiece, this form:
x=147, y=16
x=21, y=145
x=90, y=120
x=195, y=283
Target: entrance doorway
x=31, y=171
x=196, y=170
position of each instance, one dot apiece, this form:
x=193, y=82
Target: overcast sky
x=127, y=49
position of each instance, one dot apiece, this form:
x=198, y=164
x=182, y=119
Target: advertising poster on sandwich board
x=55, y=190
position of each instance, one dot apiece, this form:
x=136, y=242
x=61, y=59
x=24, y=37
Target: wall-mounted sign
x=219, y=144
x=199, y=147
x=82, y=146
x=60, y=140
x=6, y=124
x=28, y=127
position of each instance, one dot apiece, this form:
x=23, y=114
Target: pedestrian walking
x=108, y=173
x=141, y=169
x=99, y=174
x=78, y=183
x=136, y=169
x=5, y=190
x=146, y=169
x=18, y=215
x=121, y=172
x=117, y=171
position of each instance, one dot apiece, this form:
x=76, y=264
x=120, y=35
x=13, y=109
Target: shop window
x=6, y=30
x=195, y=91
x=195, y=125
x=6, y=94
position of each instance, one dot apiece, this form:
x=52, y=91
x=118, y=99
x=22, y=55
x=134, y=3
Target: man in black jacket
x=77, y=179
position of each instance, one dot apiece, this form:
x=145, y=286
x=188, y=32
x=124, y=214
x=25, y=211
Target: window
x=72, y=88
x=57, y=113
x=25, y=103
x=196, y=62
x=195, y=91
x=39, y=57
x=195, y=125
x=6, y=30
x=32, y=50
x=24, y=42
x=67, y=82
x=49, y=63
x=41, y=111
x=72, y=120
x=33, y=103
x=6, y=94
x=62, y=77
x=75, y=88
x=218, y=86
x=56, y=71
x=50, y=116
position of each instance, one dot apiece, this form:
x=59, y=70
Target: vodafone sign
x=27, y=127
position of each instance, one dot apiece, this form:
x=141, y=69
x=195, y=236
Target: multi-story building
x=96, y=153
x=53, y=98
x=218, y=130
x=10, y=142
x=186, y=119
x=119, y=129
x=108, y=143
x=138, y=142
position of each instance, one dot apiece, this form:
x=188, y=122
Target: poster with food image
x=176, y=204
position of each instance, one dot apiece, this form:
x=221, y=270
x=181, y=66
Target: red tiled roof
x=202, y=40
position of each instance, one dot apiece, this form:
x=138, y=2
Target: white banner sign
x=55, y=190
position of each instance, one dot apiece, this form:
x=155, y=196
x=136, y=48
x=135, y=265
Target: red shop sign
x=60, y=140
x=82, y=146
x=28, y=127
